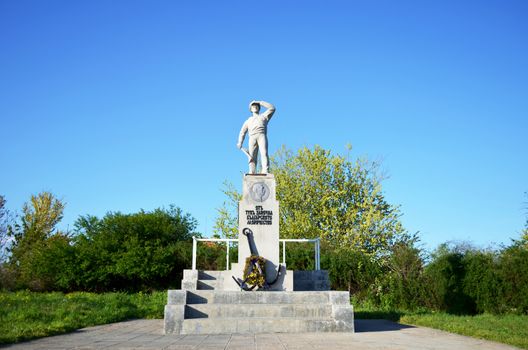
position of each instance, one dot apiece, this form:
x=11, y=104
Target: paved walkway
x=148, y=334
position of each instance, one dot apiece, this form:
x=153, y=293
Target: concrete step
x=209, y=284
x=258, y=310
x=209, y=275
x=262, y=325
x=237, y=297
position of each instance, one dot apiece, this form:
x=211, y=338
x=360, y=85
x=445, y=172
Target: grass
x=28, y=315
x=508, y=329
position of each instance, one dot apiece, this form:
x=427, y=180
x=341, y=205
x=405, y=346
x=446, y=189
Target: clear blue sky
x=122, y=105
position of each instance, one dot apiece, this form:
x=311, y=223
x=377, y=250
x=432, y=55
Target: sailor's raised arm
x=242, y=134
x=270, y=109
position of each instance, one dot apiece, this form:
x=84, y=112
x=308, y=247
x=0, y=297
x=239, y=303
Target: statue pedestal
x=259, y=211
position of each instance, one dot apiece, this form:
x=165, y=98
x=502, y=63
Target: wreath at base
x=255, y=271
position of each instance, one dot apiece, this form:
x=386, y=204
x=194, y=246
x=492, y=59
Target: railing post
x=315, y=254
x=194, y=254
x=227, y=255
x=318, y=260
x=284, y=252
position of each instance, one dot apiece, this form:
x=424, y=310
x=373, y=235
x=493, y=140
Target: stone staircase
x=210, y=280
x=203, y=280
x=203, y=307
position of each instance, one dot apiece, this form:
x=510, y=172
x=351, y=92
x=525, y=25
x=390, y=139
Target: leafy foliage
x=6, y=278
x=404, y=284
x=226, y=224
x=352, y=271
x=129, y=252
x=326, y=196
x=39, y=251
x=455, y=278
x=147, y=251
x=368, y=252
x=212, y=255
x=300, y=256
x=448, y=271
x=513, y=275
x=482, y=281
x=4, y=222
x=141, y=251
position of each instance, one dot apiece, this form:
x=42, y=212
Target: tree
x=524, y=236
x=37, y=246
x=39, y=218
x=327, y=196
x=6, y=278
x=4, y=222
x=226, y=223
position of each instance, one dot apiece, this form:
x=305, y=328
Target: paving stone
x=371, y=334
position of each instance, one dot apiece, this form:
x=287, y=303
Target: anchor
x=254, y=264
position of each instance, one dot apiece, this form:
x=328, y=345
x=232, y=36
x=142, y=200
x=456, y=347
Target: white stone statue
x=256, y=126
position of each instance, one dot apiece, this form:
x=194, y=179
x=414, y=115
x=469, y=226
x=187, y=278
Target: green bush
x=7, y=278
x=142, y=251
x=482, y=282
x=212, y=256
x=299, y=256
x=46, y=266
x=513, y=274
x=352, y=271
x=403, y=282
x=446, y=274
x=465, y=280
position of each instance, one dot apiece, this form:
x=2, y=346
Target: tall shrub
x=140, y=251
x=352, y=270
x=513, y=274
x=403, y=281
x=482, y=282
x=446, y=273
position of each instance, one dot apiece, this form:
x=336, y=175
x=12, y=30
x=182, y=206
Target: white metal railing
x=317, y=249
x=316, y=241
x=227, y=240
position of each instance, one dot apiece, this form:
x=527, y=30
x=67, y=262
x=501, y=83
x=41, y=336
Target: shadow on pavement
x=378, y=326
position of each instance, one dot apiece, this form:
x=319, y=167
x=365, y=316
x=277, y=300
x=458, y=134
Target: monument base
x=208, y=304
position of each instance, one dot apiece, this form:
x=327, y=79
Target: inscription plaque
x=259, y=216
